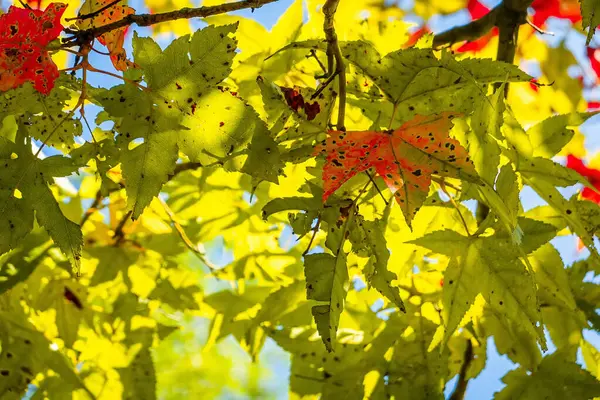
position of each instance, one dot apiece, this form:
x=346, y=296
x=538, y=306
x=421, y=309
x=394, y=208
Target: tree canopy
x=378, y=198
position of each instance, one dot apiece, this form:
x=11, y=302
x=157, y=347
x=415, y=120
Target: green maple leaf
x=416, y=82
x=326, y=280
x=489, y=266
x=590, y=12
x=185, y=109
x=25, y=353
x=25, y=192
x=555, y=377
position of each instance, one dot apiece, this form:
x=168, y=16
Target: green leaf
x=25, y=353
x=501, y=278
x=511, y=339
x=566, y=208
x=68, y=299
x=180, y=298
x=591, y=357
x=556, y=377
x=485, y=127
x=281, y=302
x=326, y=281
x=590, y=12
x=17, y=265
x=287, y=123
x=292, y=203
x=507, y=187
x=552, y=134
x=544, y=169
x=535, y=234
x=25, y=173
x=146, y=165
x=139, y=378
x=372, y=239
x=417, y=82
x=45, y=117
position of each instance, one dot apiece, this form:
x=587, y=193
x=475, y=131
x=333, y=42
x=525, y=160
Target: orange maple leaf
x=115, y=39
x=405, y=158
x=24, y=35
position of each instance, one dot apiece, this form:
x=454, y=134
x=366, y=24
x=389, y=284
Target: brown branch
x=471, y=31
x=152, y=19
x=335, y=54
x=185, y=167
x=505, y=16
x=93, y=13
x=119, y=234
x=461, y=385
x=92, y=208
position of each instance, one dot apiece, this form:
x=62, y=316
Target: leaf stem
x=462, y=218
x=184, y=237
x=376, y=187
x=312, y=238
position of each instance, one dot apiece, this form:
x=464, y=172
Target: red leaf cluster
x=592, y=175
x=24, y=35
x=564, y=9
x=295, y=100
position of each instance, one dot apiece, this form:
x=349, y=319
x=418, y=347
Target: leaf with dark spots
x=405, y=158
x=24, y=35
x=296, y=101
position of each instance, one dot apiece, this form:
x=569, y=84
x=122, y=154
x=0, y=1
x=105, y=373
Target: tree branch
x=152, y=19
x=510, y=14
x=334, y=53
x=461, y=385
x=471, y=31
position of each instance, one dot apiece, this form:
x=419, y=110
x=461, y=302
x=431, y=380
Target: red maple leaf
x=545, y=9
x=476, y=9
x=24, y=35
x=592, y=175
x=405, y=158
x=114, y=39
x=594, y=57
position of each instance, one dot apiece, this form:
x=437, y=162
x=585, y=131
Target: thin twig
x=313, y=54
x=453, y=202
x=312, y=238
x=376, y=187
x=333, y=51
x=538, y=29
x=152, y=19
x=184, y=237
x=323, y=86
